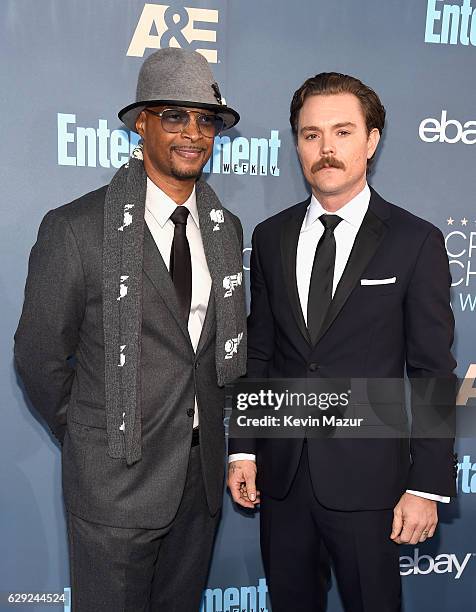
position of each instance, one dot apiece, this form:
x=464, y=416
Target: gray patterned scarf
x=122, y=298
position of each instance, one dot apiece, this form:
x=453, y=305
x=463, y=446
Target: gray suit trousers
x=116, y=569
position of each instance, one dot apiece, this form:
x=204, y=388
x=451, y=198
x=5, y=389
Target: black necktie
x=180, y=262
x=322, y=276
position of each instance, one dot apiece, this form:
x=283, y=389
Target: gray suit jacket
x=59, y=352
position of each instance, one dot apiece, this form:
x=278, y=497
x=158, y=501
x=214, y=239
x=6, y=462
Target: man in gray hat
x=155, y=327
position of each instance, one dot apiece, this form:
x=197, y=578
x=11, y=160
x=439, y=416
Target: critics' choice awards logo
x=100, y=146
x=162, y=26
x=460, y=242
x=450, y=23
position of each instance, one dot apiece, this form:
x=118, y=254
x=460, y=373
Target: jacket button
x=190, y=412
x=196, y=365
x=313, y=367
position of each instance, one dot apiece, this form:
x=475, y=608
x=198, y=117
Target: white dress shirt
x=352, y=215
x=158, y=208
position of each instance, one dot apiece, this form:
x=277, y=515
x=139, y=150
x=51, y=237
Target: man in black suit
x=140, y=282
x=344, y=284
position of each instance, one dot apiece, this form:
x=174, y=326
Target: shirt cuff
x=440, y=498
x=241, y=457
x=432, y=496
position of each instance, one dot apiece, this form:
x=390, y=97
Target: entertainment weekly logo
x=466, y=478
x=450, y=23
x=94, y=146
x=161, y=25
x=251, y=598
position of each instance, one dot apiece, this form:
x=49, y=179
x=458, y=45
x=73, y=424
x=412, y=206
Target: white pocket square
x=378, y=281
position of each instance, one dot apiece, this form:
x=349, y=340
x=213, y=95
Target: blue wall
x=67, y=67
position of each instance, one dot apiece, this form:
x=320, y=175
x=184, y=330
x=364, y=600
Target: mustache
x=328, y=161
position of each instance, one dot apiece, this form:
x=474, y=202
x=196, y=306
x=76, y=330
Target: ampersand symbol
x=175, y=27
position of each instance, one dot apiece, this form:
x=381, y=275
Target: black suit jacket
x=371, y=331
x=63, y=317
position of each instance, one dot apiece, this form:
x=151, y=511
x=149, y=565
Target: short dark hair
x=331, y=83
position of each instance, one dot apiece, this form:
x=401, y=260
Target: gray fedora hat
x=180, y=78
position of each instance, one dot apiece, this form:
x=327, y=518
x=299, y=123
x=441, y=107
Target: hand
x=414, y=519
x=242, y=483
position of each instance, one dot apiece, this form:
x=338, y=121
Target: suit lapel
x=204, y=208
x=157, y=272
x=208, y=323
x=289, y=242
x=367, y=241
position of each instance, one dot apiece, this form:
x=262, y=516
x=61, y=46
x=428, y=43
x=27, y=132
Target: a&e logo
x=162, y=26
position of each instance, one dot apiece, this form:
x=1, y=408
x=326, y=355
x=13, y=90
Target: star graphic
x=464, y=221
x=450, y=221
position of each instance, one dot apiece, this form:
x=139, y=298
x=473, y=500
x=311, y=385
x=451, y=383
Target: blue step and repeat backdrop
x=67, y=66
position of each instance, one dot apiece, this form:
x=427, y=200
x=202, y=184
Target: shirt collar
x=161, y=206
x=353, y=212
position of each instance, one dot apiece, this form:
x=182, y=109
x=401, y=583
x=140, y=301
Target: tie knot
x=179, y=216
x=330, y=222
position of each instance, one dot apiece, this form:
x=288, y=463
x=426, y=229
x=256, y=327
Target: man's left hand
x=414, y=519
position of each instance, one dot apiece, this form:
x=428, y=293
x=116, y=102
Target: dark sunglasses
x=175, y=120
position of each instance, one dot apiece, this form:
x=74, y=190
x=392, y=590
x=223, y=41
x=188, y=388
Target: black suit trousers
x=115, y=569
x=364, y=559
